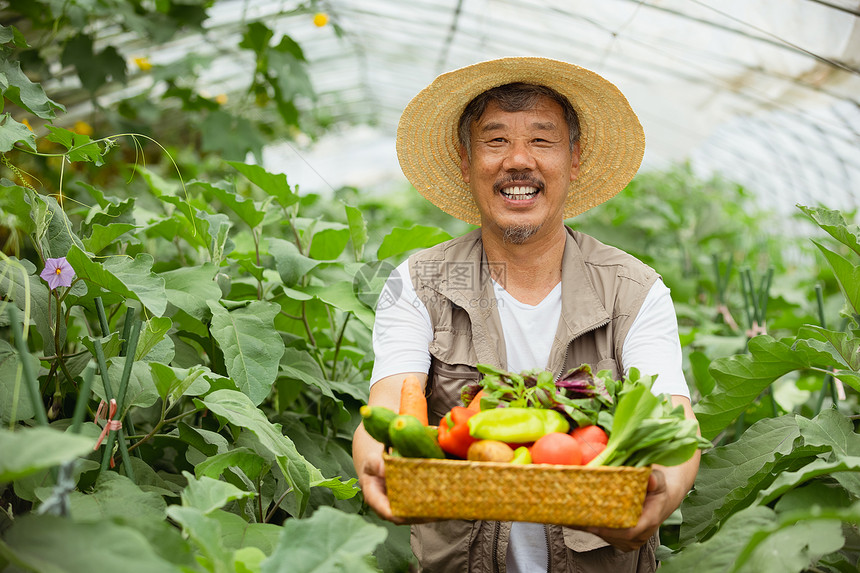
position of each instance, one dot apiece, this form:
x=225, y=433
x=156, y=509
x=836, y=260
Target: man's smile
x=519, y=193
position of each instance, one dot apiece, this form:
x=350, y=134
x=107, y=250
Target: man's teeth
x=520, y=192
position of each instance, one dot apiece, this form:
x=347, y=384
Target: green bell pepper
x=515, y=425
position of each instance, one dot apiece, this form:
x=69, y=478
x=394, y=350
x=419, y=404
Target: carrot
x=475, y=404
x=412, y=399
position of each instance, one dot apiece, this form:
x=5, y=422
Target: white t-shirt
x=403, y=331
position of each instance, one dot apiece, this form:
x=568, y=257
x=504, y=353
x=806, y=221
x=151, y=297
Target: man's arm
x=667, y=488
x=367, y=452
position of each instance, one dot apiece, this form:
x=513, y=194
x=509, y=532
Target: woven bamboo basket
x=567, y=495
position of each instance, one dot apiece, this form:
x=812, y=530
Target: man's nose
x=519, y=157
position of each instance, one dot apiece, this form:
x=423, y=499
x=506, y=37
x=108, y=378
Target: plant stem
x=100, y=311
x=157, y=427
x=257, y=252
x=277, y=505
x=83, y=398
x=338, y=345
x=126, y=328
x=307, y=324
x=26, y=368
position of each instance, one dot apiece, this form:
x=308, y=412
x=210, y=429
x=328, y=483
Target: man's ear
x=574, y=161
x=464, y=163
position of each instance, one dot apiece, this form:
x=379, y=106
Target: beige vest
x=602, y=291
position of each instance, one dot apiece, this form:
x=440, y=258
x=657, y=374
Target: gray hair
x=514, y=97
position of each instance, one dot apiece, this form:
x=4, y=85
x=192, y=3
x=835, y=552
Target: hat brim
x=612, y=141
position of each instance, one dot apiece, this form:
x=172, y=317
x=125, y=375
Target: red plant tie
x=110, y=425
x=756, y=329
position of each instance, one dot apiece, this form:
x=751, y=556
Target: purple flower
x=58, y=272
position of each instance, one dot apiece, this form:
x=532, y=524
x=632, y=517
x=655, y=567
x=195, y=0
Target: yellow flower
x=27, y=123
x=221, y=99
x=143, y=63
x=83, y=128
x=320, y=19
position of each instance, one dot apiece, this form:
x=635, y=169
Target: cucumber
x=412, y=439
x=376, y=422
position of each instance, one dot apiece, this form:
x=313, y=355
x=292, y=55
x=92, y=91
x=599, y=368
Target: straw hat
x=612, y=141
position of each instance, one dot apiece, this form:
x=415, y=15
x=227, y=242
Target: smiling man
x=517, y=146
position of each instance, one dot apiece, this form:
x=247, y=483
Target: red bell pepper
x=454, y=435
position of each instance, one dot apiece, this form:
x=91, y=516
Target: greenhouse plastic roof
x=766, y=92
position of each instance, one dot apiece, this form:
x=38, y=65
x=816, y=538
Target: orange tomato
x=592, y=434
x=590, y=450
x=557, y=448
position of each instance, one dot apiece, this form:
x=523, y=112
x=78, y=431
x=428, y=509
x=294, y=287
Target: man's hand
x=367, y=452
x=371, y=480
x=658, y=506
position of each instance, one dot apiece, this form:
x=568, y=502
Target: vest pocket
x=446, y=384
x=452, y=366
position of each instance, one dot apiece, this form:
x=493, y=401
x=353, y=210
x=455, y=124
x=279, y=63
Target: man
x=517, y=146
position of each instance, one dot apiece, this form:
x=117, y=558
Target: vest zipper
x=548, y=552
x=567, y=347
x=496, y=532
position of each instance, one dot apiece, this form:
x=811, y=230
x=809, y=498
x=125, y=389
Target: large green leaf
x=289, y=262
x=101, y=236
x=191, y=289
x=172, y=383
x=795, y=541
x=127, y=277
x=24, y=93
x=718, y=554
x=341, y=295
x=79, y=147
x=246, y=209
x=274, y=184
x=730, y=474
x=208, y=494
x=834, y=430
x=357, y=230
x=15, y=403
x=300, y=365
x=786, y=481
x=250, y=462
x=401, y=240
x=50, y=544
x=741, y=378
x=330, y=541
x=54, y=228
x=842, y=349
x=302, y=475
x=140, y=391
x=834, y=223
x=252, y=347
x=116, y=496
x=205, y=533
x=847, y=273
x=12, y=132
x=328, y=244
x=29, y=450
x=94, y=69
x=237, y=533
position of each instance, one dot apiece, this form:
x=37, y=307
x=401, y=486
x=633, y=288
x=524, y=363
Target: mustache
x=522, y=178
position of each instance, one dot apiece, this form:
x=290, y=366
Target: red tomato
x=557, y=448
x=590, y=450
x=593, y=434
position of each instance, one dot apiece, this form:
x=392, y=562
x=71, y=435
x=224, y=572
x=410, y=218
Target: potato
x=490, y=451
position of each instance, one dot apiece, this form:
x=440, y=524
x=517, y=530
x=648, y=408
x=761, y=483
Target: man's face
x=520, y=168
